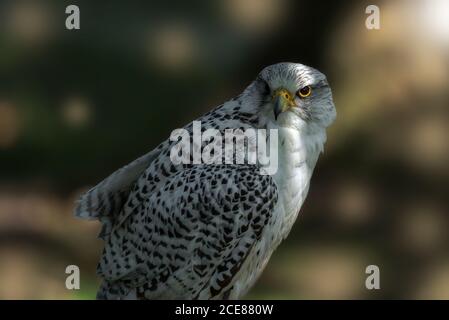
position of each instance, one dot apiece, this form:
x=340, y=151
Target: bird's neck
x=297, y=155
x=298, y=149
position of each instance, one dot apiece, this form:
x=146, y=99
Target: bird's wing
x=193, y=234
x=105, y=200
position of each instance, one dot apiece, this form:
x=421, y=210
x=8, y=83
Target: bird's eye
x=305, y=92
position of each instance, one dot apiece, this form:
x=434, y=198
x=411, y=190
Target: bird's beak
x=283, y=100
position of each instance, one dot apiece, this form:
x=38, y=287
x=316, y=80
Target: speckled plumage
x=206, y=231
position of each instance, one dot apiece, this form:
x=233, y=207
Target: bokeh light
x=10, y=124
x=76, y=111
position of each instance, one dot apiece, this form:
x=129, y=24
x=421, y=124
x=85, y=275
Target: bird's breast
x=296, y=162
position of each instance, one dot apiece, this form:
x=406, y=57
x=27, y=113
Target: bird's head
x=293, y=93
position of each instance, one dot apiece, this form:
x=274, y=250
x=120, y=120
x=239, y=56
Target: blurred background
x=76, y=105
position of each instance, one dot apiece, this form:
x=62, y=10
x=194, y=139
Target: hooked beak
x=283, y=100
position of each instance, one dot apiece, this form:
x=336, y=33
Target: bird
x=207, y=231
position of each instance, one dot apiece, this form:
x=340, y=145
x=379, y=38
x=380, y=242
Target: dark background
x=76, y=105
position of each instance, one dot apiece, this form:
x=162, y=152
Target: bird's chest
x=295, y=165
x=297, y=159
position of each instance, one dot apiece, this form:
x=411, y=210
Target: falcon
x=206, y=231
